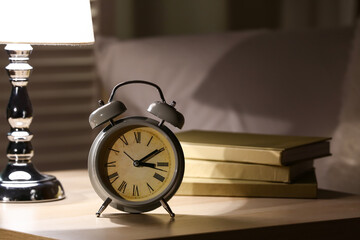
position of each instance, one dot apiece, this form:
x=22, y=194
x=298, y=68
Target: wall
x=137, y=18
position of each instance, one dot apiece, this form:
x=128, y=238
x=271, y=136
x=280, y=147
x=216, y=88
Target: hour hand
x=150, y=165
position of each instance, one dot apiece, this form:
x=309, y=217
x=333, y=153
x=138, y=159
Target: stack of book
x=252, y=165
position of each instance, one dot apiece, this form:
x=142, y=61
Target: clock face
x=138, y=163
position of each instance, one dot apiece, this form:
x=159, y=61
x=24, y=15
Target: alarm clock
x=136, y=164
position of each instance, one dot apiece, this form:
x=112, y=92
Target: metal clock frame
x=104, y=190
x=166, y=112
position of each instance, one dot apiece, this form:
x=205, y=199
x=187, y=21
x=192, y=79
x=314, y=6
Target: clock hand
x=152, y=154
x=129, y=156
x=150, y=165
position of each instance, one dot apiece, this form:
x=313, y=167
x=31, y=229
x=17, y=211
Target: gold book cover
x=252, y=148
x=245, y=171
x=305, y=187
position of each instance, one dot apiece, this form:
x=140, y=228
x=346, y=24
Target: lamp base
x=21, y=182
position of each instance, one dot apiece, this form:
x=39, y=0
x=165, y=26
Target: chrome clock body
x=136, y=164
x=157, y=180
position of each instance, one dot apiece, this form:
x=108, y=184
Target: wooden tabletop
x=332, y=215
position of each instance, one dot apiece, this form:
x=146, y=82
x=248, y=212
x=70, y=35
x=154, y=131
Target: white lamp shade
x=46, y=22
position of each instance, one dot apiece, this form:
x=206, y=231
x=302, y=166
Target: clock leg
x=161, y=123
x=103, y=207
x=167, y=208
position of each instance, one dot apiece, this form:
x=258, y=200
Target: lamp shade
x=46, y=22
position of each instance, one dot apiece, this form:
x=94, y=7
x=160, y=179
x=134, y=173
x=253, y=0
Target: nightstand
x=334, y=215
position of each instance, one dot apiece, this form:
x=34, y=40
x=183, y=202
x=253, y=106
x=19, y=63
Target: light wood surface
x=332, y=215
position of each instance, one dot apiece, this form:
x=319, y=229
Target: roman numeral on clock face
x=137, y=136
x=135, y=190
x=149, y=141
x=110, y=164
x=122, y=187
x=124, y=140
x=150, y=188
x=162, y=164
x=159, y=177
x=116, y=151
x=113, y=177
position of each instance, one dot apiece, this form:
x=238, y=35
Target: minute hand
x=152, y=154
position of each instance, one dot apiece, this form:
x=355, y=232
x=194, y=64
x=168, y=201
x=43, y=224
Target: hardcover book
x=305, y=187
x=245, y=171
x=252, y=148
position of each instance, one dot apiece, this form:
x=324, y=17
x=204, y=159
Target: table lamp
x=24, y=23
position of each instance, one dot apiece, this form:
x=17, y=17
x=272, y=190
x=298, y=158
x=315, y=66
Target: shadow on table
x=140, y=219
x=165, y=221
x=329, y=194
x=161, y=226
x=156, y=226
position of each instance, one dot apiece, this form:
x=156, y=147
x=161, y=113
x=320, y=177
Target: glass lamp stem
x=20, y=181
x=19, y=110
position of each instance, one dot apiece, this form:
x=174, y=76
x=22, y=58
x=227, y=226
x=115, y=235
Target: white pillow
x=342, y=171
x=254, y=81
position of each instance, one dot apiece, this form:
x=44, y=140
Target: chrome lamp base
x=23, y=183
x=20, y=181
